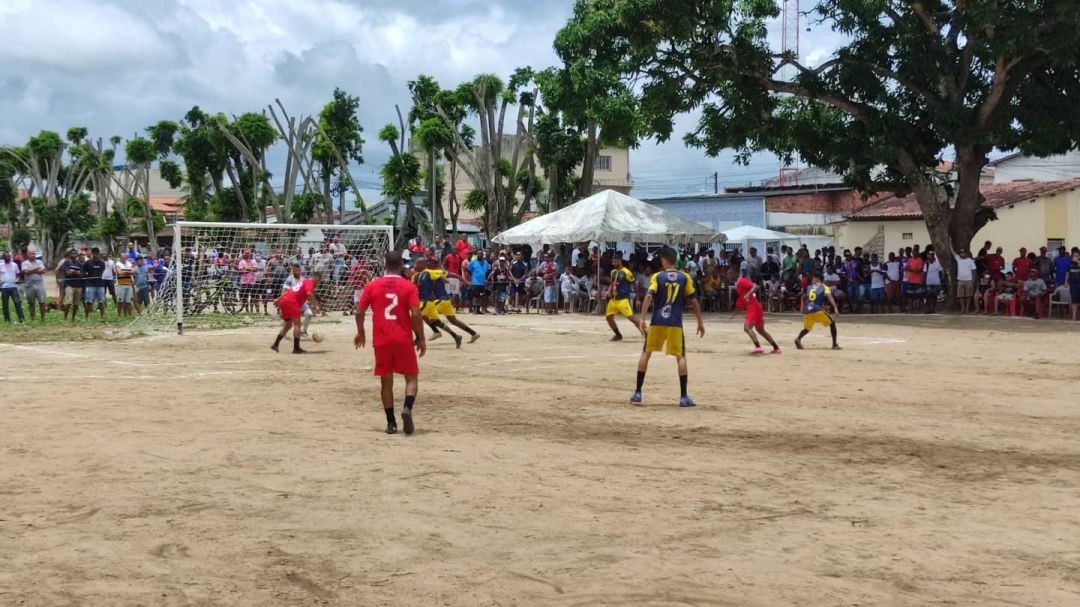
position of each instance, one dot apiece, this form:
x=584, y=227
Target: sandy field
x=933, y=461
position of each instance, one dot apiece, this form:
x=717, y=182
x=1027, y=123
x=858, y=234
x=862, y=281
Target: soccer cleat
x=457, y=341
x=275, y=348
x=776, y=351
x=685, y=401
x=391, y=428
x=798, y=344
x=406, y=419
x=836, y=347
x=475, y=337
x=636, y=398
x=299, y=351
x=758, y=350
x=435, y=336
x=617, y=337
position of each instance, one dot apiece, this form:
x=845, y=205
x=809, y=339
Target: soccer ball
x=317, y=337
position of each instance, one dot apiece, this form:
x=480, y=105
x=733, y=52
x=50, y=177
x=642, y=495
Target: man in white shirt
x=33, y=270
x=108, y=278
x=9, y=290
x=877, y=282
x=965, y=280
x=933, y=281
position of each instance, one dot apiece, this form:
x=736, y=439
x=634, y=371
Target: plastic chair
x=1060, y=297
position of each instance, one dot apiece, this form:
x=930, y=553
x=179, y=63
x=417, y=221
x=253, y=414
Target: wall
x=618, y=178
x=1054, y=168
x=780, y=221
x=1019, y=225
x=718, y=212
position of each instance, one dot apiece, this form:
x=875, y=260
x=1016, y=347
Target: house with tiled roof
x=1029, y=213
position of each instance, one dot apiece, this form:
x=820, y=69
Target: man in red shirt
x=995, y=263
x=397, y=327
x=290, y=305
x=755, y=313
x=1021, y=266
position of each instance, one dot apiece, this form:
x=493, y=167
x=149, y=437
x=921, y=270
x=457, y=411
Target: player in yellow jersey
x=813, y=308
x=622, y=288
x=433, y=282
x=670, y=290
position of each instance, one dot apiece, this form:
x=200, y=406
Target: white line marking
x=46, y=351
x=132, y=377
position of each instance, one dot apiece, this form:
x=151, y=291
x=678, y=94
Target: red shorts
x=289, y=311
x=399, y=359
x=755, y=315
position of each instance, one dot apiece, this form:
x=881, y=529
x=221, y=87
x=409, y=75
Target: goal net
x=241, y=268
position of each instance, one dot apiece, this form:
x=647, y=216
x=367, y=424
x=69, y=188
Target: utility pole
x=716, y=182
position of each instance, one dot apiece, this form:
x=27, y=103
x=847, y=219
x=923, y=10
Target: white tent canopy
x=752, y=233
x=608, y=217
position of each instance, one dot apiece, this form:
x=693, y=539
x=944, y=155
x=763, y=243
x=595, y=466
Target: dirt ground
x=932, y=461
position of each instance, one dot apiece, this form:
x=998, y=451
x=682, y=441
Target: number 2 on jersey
x=388, y=313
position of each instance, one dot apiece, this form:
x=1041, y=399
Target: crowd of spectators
x=551, y=279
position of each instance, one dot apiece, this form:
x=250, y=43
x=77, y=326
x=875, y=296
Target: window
x=907, y=236
x=603, y=163
x=1055, y=243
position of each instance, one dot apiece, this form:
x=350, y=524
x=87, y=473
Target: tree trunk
x=553, y=189
x=588, y=168
x=239, y=191
x=328, y=201
x=148, y=212
x=451, y=199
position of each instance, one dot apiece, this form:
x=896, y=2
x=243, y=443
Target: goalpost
x=240, y=268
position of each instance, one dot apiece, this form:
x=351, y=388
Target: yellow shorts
x=619, y=306
x=668, y=339
x=446, y=308
x=816, y=318
x=429, y=310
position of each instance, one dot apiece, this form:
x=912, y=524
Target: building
x=1018, y=167
x=611, y=172
x=808, y=210
x=1030, y=214
x=717, y=211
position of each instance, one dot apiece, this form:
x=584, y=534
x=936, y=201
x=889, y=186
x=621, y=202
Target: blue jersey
x=815, y=298
x=670, y=290
x=623, y=280
x=426, y=286
x=437, y=280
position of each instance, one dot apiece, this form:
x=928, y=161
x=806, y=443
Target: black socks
x=390, y=415
x=409, y=400
x=682, y=386
x=640, y=380
x=277, y=341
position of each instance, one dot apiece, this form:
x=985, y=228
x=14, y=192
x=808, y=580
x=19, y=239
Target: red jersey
x=453, y=263
x=390, y=298
x=742, y=287
x=298, y=295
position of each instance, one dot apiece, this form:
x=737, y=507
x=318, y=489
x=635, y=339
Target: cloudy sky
x=117, y=66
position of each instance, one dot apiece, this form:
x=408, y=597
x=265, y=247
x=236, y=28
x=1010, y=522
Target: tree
x=140, y=152
x=56, y=182
x=339, y=141
x=559, y=150
x=401, y=179
x=433, y=105
x=251, y=135
x=912, y=80
x=204, y=149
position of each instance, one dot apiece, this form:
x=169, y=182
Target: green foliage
x=45, y=145
x=139, y=151
x=204, y=150
x=255, y=130
x=559, y=149
x=111, y=227
x=911, y=82
x=304, y=206
x=76, y=134
x=339, y=120
x=401, y=177
x=163, y=134
x=225, y=206
x=434, y=135
x=389, y=134
x=58, y=222
x=475, y=201
x=171, y=173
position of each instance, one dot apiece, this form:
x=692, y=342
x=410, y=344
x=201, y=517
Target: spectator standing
x=108, y=277
x=125, y=286
x=754, y=263
x=141, y=279
x=916, y=278
x=1045, y=265
x=568, y=284
x=1021, y=265
x=73, y=284
x=500, y=272
x=933, y=281
x=892, y=280
x=132, y=253
x=93, y=285
x=877, y=283
x=1061, y=266
x=9, y=289
x=995, y=263
x=548, y=272
x=965, y=280
x=1073, y=279
x=33, y=271
x=478, y=272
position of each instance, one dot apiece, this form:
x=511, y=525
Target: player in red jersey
x=396, y=328
x=755, y=313
x=290, y=305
